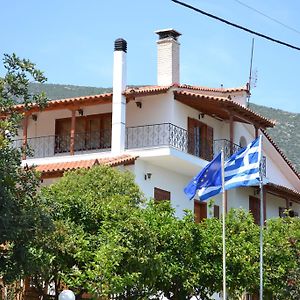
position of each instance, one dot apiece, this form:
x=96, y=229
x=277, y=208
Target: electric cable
x=236, y=25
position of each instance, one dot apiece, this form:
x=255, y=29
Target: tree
x=85, y=206
x=21, y=217
x=282, y=258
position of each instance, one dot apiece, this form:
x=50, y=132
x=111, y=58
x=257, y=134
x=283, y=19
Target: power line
x=268, y=17
x=236, y=25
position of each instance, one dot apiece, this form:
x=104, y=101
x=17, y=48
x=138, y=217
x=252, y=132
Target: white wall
x=154, y=110
x=166, y=180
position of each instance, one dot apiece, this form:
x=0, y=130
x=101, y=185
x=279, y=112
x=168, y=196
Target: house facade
x=163, y=134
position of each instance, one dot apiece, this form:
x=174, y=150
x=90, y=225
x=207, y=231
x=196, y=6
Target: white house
x=164, y=134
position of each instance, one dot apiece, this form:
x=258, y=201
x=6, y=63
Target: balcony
x=147, y=136
x=54, y=145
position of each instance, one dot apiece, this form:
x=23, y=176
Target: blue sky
x=72, y=42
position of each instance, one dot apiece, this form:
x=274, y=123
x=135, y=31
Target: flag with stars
x=208, y=182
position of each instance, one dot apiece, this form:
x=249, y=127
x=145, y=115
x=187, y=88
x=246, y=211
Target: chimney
x=119, y=100
x=167, y=57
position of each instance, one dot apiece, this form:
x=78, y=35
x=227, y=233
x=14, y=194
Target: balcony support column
x=72, y=132
x=256, y=131
x=25, y=135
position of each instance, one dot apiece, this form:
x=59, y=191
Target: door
x=200, y=139
x=200, y=210
x=254, y=208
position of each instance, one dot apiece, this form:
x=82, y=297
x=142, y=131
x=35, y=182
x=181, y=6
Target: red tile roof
x=283, y=189
x=218, y=90
x=61, y=167
x=131, y=93
x=68, y=102
x=220, y=105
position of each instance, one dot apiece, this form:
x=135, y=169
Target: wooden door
x=200, y=210
x=254, y=208
x=200, y=139
x=62, y=135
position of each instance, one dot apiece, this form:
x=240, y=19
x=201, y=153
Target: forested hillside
x=286, y=133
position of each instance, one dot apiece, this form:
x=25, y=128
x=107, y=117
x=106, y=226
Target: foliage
x=21, y=216
x=282, y=257
x=81, y=204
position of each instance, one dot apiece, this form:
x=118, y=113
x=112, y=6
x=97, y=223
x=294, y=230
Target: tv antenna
x=252, y=74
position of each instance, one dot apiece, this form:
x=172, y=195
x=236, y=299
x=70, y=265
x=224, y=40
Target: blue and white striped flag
x=241, y=169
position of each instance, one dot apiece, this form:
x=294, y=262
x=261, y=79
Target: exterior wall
x=166, y=180
x=154, y=110
x=182, y=112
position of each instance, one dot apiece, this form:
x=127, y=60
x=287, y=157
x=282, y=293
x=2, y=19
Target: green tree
x=20, y=215
x=84, y=248
x=282, y=257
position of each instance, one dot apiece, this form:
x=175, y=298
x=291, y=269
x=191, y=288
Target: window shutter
x=217, y=211
x=209, y=143
x=254, y=208
x=200, y=211
x=160, y=194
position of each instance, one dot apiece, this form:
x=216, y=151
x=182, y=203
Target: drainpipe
x=119, y=100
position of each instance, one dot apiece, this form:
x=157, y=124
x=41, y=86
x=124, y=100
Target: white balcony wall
x=182, y=112
x=154, y=110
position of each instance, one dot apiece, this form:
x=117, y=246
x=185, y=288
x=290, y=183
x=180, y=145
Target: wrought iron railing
x=147, y=136
x=165, y=134
x=228, y=147
x=47, y=146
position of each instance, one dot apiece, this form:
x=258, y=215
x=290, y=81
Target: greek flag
x=241, y=169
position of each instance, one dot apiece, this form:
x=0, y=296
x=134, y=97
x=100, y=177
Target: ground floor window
x=200, y=210
x=160, y=194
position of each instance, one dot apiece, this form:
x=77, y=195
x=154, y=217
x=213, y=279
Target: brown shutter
x=217, y=211
x=200, y=211
x=209, y=143
x=160, y=194
x=254, y=208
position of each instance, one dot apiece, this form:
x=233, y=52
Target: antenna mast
x=250, y=73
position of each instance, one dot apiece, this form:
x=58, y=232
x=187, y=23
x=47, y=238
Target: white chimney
x=167, y=57
x=119, y=100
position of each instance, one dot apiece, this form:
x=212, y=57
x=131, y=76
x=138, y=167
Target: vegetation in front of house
x=94, y=231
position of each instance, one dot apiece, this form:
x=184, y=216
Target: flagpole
x=223, y=223
x=261, y=230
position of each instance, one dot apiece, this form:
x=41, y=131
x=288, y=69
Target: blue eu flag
x=208, y=181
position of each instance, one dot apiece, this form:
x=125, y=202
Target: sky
x=72, y=42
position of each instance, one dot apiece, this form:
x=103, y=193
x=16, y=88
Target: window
x=217, y=211
x=200, y=211
x=254, y=208
x=200, y=139
x=91, y=132
x=160, y=195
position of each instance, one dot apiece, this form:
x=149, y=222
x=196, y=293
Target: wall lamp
x=80, y=112
x=138, y=104
x=34, y=117
x=148, y=176
x=201, y=115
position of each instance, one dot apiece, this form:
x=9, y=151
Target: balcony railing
x=51, y=145
x=147, y=136
x=157, y=135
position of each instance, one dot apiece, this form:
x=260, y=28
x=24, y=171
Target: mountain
x=286, y=133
